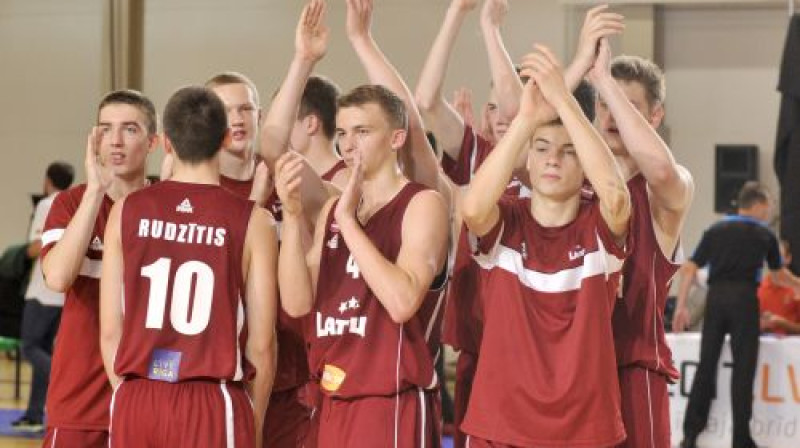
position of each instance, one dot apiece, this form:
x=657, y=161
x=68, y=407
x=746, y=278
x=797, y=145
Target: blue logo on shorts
x=164, y=365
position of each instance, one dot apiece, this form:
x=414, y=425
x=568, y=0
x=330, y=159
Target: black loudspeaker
x=735, y=165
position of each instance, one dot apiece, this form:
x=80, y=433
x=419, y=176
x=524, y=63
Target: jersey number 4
x=187, y=274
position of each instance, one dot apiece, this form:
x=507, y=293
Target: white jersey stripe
x=55, y=437
x=51, y=236
x=111, y=413
x=422, y=417
x=91, y=268
x=230, y=440
x=239, y=326
x=650, y=410
x=397, y=387
x=434, y=315
x=594, y=263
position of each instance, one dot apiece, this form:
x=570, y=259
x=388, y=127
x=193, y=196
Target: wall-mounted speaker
x=735, y=165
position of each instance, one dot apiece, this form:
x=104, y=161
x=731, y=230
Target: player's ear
x=657, y=113
x=399, y=137
x=153, y=144
x=168, y=148
x=312, y=124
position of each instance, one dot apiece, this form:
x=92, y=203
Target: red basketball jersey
x=639, y=314
x=356, y=348
x=329, y=175
x=546, y=372
x=79, y=393
x=183, y=310
x=241, y=188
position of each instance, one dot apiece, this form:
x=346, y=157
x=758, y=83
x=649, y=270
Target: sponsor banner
x=776, y=393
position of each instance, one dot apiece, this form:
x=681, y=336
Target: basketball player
x=375, y=254
x=193, y=347
x=72, y=247
x=552, y=262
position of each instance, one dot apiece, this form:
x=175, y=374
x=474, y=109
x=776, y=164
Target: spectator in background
x=42, y=305
x=780, y=306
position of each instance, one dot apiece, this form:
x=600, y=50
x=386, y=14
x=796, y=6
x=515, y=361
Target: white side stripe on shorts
x=229, y=439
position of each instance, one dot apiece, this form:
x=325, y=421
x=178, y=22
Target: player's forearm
x=507, y=84
x=283, y=112
x=687, y=277
x=63, y=262
x=260, y=387
x=399, y=293
x=431, y=79
x=598, y=163
x=294, y=278
x=492, y=178
x=670, y=184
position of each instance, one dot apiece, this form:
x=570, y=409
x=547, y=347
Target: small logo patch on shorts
x=332, y=378
x=164, y=365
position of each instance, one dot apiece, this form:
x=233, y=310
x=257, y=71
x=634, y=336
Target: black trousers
x=731, y=308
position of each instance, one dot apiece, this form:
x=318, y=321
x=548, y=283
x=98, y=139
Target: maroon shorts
x=466, y=366
x=408, y=420
x=202, y=414
x=288, y=419
x=645, y=408
x=56, y=437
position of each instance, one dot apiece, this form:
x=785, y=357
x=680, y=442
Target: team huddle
x=290, y=279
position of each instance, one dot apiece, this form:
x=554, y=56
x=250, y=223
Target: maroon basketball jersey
x=241, y=188
x=79, y=393
x=639, y=314
x=183, y=313
x=329, y=175
x=356, y=348
x=546, y=371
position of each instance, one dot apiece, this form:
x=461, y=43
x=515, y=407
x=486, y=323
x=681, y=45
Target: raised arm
x=260, y=266
x=506, y=82
x=598, y=24
x=111, y=293
x=595, y=157
x=311, y=43
x=670, y=185
x=63, y=261
x=440, y=118
x=424, y=166
x=400, y=286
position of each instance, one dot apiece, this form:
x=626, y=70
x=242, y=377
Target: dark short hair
x=752, y=193
x=132, y=98
x=645, y=72
x=319, y=99
x=393, y=108
x=585, y=96
x=228, y=78
x=61, y=174
x=195, y=123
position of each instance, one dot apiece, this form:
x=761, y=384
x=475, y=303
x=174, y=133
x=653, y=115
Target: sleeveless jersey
x=329, y=175
x=183, y=309
x=241, y=188
x=79, y=394
x=356, y=349
x=639, y=314
x=546, y=372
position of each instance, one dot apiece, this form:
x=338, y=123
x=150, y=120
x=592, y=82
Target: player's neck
x=197, y=173
x=122, y=186
x=551, y=212
x=627, y=165
x=320, y=155
x=236, y=166
x=380, y=188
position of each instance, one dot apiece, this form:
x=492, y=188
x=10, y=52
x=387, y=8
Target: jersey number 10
x=189, y=272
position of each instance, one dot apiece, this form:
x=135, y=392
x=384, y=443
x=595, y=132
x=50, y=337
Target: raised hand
x=494, y=13
x=311, y=36
x=601, y=68
x=98, y=178
x=288, y=169
x=542, y=66
x=599, y=24
x=462, y=104
x=347, y=207
x=359, y=18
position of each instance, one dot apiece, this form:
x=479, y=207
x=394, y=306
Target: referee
x=735, y=249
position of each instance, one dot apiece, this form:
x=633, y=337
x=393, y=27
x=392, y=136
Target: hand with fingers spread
x=601, y=68
x=543, y=68
x=98, y=178
x=347, y=207
x=462, y=104
x=494, y=13
x=288, y=169
x=359, y=19
x=311, y=36
x=262, y=186
x=599, y=24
